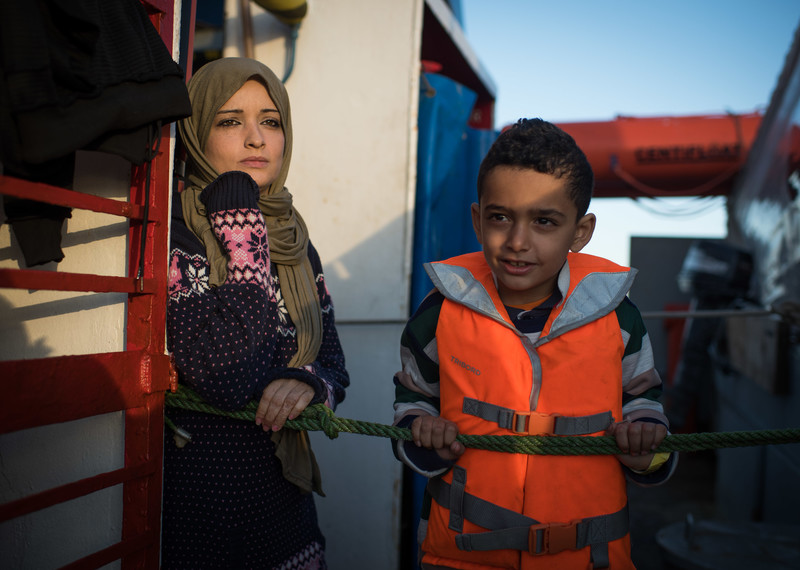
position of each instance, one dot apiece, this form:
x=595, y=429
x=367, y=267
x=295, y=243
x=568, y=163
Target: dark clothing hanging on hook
x=36, y=225
x=83, y=74
x=77, y=75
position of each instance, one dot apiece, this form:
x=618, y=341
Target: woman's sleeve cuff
x=232, y=190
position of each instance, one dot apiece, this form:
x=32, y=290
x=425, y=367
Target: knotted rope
x=320, y=418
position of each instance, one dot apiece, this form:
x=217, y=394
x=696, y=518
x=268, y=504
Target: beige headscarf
x=209, y=89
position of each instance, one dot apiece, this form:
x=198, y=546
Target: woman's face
x=246, y=135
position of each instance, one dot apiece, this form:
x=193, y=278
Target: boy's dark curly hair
x=545, y=148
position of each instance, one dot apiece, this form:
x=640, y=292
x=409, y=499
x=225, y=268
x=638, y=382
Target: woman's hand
x=439, y=434
x=281, y=400
x=637, y=440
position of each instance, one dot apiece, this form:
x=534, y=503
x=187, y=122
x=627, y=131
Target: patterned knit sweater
x=226, y=503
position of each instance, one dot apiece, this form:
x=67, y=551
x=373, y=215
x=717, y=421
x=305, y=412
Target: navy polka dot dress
x=226, y=503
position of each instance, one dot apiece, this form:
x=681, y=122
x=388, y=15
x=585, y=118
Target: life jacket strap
x=535, y=423
x=456, y=496
x=509, y=529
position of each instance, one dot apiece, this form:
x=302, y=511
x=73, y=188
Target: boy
x=529, y=337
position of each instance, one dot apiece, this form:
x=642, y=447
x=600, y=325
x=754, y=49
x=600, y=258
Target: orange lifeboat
x=666, y=156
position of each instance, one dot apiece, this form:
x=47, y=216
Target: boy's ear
x=583, y=232
x=476, y=221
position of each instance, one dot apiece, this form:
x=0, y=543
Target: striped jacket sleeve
x=641, y=388
x=417, y=386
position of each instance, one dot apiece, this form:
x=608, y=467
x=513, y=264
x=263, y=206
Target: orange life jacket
x=505, y=510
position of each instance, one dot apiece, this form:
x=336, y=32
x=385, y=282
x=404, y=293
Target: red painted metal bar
x=20, y=188
x=54, y=281
x=69, y=491
x=161, y=14
x=142, y=497
x=146, y=324
x=144, y=426
x=68, y=388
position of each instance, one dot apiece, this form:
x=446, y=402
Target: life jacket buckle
x=534, y=423
x=552, y=538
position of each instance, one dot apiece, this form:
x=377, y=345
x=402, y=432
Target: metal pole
x=247, y=27
x=707, y=314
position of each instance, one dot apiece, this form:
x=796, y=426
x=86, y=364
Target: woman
x=249, y=317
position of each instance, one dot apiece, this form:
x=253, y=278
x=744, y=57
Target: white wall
x=360, y=514
x=353, y=93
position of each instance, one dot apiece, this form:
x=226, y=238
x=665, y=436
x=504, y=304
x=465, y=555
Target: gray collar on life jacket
x=596, y=295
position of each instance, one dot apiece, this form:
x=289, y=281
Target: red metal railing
x=45, y=391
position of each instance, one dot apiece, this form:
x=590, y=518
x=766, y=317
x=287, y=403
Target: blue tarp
x=449, y=154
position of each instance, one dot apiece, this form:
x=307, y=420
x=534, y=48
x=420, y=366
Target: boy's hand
x=637, y=440
x=439, y=434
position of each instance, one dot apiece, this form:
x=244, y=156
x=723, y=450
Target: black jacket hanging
x=77, y=74
x=83, y=74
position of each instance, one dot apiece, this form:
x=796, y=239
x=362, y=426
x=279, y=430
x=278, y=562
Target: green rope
x=320, y=418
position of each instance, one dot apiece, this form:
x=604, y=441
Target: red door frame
x=45, y=391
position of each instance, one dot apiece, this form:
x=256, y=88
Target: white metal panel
x=360, y=515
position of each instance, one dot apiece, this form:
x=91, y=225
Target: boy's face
x=526, y=223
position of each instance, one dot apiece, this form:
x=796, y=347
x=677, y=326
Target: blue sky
x=586, y=60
